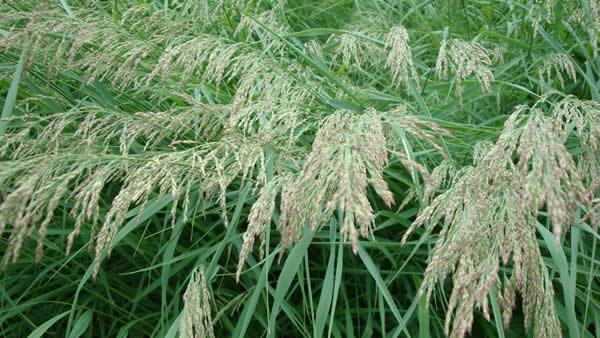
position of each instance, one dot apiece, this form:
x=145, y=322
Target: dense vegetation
x=291, y=168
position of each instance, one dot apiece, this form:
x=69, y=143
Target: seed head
x=196, y=320
x=557, y=64
x=490, y=213
x=465, y=59
x=399, y=59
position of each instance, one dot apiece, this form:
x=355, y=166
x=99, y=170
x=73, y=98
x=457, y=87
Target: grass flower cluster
x=299, y=168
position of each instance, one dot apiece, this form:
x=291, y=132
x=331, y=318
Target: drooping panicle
x=196, y=320
x=465, y=58
x=399, y=59
x=489, y=219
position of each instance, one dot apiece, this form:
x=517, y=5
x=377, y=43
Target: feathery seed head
x=558, y=63
x=399, y=58
x=489, y=215
x=465, y=59
x=354, y=52
x=257, y=32
x=349, y=154
x=259, y=219
x=196, y=320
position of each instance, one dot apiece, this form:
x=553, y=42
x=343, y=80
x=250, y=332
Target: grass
x=299, y=168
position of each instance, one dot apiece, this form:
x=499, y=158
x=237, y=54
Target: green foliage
x=299, y=168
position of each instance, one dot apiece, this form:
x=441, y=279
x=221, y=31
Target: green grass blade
x=40, y=331
x=567, y=282
x=374, y=271
x=287, y=275
x=82, y=324
x=11, y=96
x=326, y=290
x=497, y=313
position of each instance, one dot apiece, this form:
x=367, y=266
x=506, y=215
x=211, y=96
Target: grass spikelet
x=259, y=220
x=352, y=52
x=399, y=58
x=314, y=48
x=442, y=176
x=270, y=102
x=268, y=37
x=582, y=118
x=32, y=204
x=196, y=321
x=541, y=11
x=465, y=59
x=205, y=56
x=349, y=49
x=557, y=64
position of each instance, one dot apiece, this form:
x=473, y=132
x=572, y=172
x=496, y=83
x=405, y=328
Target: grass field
x=294, y=168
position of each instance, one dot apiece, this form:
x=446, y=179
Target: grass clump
x=366, y=151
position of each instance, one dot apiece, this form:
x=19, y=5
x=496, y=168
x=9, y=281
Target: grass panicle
x=157, y=157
